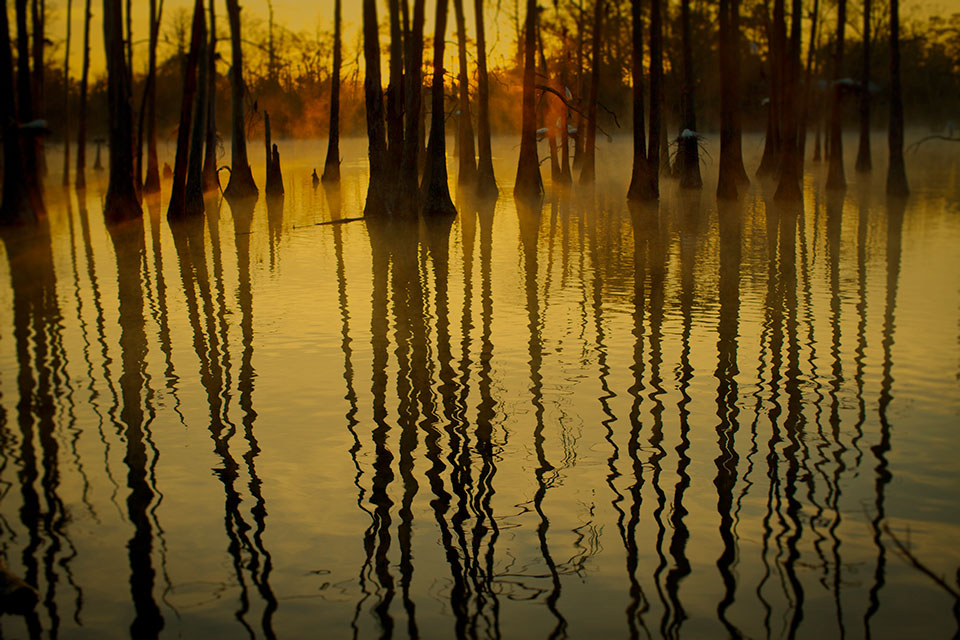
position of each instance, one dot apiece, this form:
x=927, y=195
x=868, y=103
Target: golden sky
x=309, y=15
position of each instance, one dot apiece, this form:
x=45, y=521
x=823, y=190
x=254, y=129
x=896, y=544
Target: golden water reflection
x=573, y=419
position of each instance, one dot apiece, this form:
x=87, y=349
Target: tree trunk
x=547, y=114
x=468, y=156
x=37, y=9
x=178, y=192
x=376, y=191
x=486, y=181
x=121, y=201
x=737, y=142
x=656, y=97
x=66, y=99
x=16, y=207
x=331, y=168
x=640, y=184
x=588, y=169
x=896, y=172
x=727, y=179
x=769, y=162
x=211, y=179
x=198, y=133
x=788, y=188
x=80, y=181
x=148, y=109
x=565, y=175
x=409, y=197
x=436, y=189
x=808, y=79
x=25, y=97
x=395, y=96
x=529, y=184
x=835, y=176
x=688, y=145
x=241, y=184
x=863, y=152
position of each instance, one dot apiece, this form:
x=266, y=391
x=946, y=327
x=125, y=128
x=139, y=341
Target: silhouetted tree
x=727, y=179
x=377, y=147
x=812, y=48
x=863, y=151
x=38, y=22
x=241, y=184
x=835, y=176
x=148, y=109
x=656, y=96
x=486, y=181
x=776, y=35
x=395, y=95
x=588, y=169
x=80, y=180
x=331, y=168
x=211, y=178
x=198, y=133
x=178, y=192
x=529, y=184
x=66, y=99
x=121, y=200
x=641, y=187
x=468, y=160
x=436, y=189
x=409, y=195
x=25, y=95
x=790, y=161
x=896, y=173
x=688, y=144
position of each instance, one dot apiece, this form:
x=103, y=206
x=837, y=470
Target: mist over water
x=588, y=420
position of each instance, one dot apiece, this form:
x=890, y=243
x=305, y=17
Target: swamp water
x=590, y=420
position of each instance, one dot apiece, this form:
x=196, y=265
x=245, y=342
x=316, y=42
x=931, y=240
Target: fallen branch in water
x=320, y=224
x=916, y=145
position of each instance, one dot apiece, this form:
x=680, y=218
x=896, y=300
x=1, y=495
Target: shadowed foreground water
x=588, y=420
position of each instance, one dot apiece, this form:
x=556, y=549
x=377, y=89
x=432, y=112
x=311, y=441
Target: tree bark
x=486, y=181
x=377, y=188
x=66, y=99
x=211, y=178
x=331, y=168
x=529, y=184
x=241, y=184
x=80, y=181
x=436, y=188
x=409, y=198
x=468, y=155
x=640, y=183
x=395, y=95
x=178, y=192
x=896, y=172
x=588, y=169
x=688, y=145
x=121, y=201
x=835, y=175
x=863, y=151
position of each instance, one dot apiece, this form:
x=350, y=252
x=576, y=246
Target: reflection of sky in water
x=583, y=420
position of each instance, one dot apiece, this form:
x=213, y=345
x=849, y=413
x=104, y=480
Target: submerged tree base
x=241, y=185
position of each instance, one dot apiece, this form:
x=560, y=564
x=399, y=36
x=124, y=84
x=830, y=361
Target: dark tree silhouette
x=529, y=184
x=121, y=201
x=198, y=133
x=896, y=173
x=409, y=198
x=486, y=181
x=395, y=95
x=25, y=97
x=376, y=191
x=178, y=191
x=641, y=187
x=38, y=22
x=80, y=181
x=588, y=169
x=812, y=48
x=776, y=35
x=656, y=96
x=835, y=176
x=790, y=161
x=331, y=168
x=66, y=99
x=734, y=79
x=436, y=188
x=468, y=160
x=688, y=144
x=728, y=177
x=241, y=184
x=211, y=178
x=16, y=206
x=148, y=110
x=863, y=151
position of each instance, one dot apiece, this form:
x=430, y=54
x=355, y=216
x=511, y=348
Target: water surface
x=587, y=420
